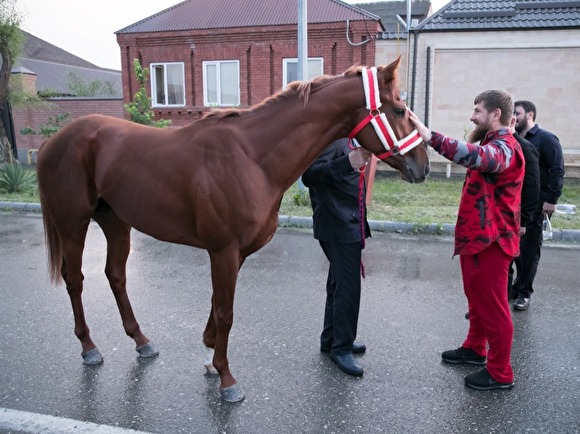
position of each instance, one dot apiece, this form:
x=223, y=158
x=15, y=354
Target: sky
x=90, y=33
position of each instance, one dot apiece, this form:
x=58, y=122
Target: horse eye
x=399, y=112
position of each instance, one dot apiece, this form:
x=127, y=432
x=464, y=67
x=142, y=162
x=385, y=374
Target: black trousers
x=527, y=262
x=343, y=292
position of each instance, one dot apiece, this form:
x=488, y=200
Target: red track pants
x=485, y=278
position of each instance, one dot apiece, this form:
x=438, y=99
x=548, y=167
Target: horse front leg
x=224, y=273
x=118, y=235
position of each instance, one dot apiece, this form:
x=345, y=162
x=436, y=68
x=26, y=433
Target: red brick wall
x=34, y=116
x=260, y=51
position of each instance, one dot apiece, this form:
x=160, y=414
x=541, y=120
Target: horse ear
x=395, y=63
x=389, y=72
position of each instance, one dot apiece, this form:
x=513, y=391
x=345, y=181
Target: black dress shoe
x=522, y=303
x=357, y=348
x=347, y=364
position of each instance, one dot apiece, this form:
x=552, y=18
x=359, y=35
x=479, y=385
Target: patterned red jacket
x=489, y=210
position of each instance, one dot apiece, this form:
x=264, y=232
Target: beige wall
x=540, y=66
x=388, y=52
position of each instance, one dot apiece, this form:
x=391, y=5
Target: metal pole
x=302, y=52
x=302, y=40
x=408, y=45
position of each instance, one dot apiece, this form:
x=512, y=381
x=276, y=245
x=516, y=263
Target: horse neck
x=288, y=135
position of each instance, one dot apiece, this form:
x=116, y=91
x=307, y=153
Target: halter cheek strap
x=379, y=121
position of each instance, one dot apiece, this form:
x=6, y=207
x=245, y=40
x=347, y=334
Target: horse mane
x=301, y=88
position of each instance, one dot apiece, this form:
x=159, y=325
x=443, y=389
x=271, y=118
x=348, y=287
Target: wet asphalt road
x=412, y=309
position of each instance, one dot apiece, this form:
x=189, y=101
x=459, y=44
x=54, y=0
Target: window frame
x=217, y=64
x=287, y=60
x=154, y=85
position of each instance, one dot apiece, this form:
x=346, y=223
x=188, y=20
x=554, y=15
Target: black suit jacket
x=551, y=163
x=531, y=185
x=334, y=193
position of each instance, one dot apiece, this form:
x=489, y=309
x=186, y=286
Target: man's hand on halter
x=359, y=158
x=423, y=131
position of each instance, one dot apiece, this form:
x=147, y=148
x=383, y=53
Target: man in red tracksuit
x=486, y=234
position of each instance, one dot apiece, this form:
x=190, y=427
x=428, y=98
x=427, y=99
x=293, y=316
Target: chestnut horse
x=215, y=184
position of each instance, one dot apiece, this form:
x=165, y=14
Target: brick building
x=43, y=70
x=203, y=53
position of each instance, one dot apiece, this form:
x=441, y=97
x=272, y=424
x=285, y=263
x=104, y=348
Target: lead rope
x=361, y=206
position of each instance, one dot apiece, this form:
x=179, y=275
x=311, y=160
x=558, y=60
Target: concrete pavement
x=412, y=309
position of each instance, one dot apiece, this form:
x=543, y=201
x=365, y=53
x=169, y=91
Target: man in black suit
x=333, y=182
x=529, y=205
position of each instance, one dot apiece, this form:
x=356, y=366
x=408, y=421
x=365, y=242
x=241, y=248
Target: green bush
x=140, y=108
x=15, y=178
x=301, y=198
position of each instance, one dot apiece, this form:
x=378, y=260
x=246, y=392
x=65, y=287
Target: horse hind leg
x=72, y=251
x=118, y=235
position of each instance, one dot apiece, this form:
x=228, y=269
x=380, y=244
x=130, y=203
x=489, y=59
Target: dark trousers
x=527, y=262
x=343, y=291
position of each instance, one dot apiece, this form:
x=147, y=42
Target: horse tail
x=52, y=240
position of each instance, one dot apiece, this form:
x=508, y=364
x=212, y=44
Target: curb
x=378, y=226
x=306, y=222
x=566, y=235
x=20, y=206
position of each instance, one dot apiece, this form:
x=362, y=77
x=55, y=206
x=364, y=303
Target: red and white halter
x=392, y=145
x=380, y=123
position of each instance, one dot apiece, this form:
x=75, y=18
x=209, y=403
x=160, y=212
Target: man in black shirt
x=551, y=164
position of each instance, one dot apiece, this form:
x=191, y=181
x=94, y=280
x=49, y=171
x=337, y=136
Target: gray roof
x=39, y=49
x=388, y=11
x=222, y=14
x=52, y=65
x=466, y=15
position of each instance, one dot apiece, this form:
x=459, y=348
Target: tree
x=140, y=108
x=11, y=41
x=48, y=129
x=79, y=86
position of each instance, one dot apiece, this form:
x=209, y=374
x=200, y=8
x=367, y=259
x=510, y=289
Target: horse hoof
x=147, y=350
x=233, y=393
x=92, y=357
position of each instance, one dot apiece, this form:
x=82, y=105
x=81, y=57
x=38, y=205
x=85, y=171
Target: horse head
x=384, y=128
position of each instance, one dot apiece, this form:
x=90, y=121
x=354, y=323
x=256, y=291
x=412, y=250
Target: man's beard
x=521, y=125
x=478, y=134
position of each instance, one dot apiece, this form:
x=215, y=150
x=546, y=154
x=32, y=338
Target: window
x=221, y=83
x=290, y=67
x=167, y=84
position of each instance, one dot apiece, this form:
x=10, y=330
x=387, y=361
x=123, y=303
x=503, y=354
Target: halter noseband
x=392, y=145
